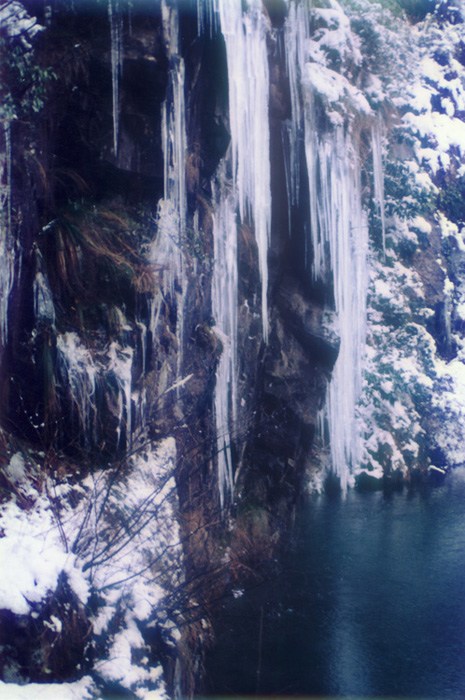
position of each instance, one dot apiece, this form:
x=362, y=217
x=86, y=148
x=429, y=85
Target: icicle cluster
x=248, y=77
x=224, y=309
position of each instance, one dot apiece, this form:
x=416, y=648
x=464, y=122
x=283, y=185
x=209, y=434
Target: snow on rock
x=449, y=404
x=333, y=87
x=129, y=543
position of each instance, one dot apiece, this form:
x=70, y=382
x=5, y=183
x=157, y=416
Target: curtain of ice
x=338, y=236
x=343, y=231
x=245, y=34
x=224, y=310
x=116, y=54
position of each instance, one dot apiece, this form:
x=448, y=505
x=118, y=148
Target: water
x=371, y=604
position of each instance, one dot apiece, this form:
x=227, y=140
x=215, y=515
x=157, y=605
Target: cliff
x=232, y=263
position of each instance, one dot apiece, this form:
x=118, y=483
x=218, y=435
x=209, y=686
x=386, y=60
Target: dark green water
x=371, y=604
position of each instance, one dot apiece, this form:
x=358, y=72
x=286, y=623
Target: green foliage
x=403, y=196
x=25, y=82
x=451, y=200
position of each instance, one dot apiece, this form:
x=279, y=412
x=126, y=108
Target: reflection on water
x=371, y=603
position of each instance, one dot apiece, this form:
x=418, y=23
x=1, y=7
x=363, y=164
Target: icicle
x=206, y=17
x=143, y=344
x=378, y=175
x=321, y=423
x=80, y=374
x=116, y=37
x=224, y=310
x=248, y=77
x=44, y=308
x=121, y=365
x=175, y=144
x=7, y=251
x=297, y=32
x=77, y=372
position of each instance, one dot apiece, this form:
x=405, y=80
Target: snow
x=84, y=689
x=16, y=468
x=33, y=555
x=121, y=540
x=419, y=223
x=444, y=131
x=449, y=401
x=334, y=88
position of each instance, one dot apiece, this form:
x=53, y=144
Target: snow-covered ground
x=113, y=535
